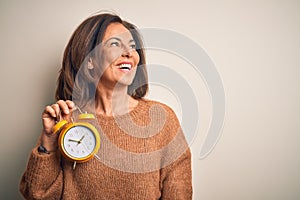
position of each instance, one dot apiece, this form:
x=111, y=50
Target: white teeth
x=125, y=66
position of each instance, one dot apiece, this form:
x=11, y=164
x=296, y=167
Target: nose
x=127, y=52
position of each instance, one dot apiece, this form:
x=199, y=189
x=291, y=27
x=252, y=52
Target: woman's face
x=119, y=57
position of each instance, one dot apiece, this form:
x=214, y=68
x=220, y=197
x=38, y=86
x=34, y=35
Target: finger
x=50, y=111
x=63, y=106
x=71, y=105
x=56, y=108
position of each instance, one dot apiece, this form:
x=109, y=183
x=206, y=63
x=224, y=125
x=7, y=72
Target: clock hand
x=79, y=141
x=71, y=140
x=81, y=138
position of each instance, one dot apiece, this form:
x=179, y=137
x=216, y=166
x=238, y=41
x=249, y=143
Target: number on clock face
x=79, y=142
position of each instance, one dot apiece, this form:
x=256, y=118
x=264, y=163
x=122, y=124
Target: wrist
x=49, y=142
x=47, y=148
x=42, y=149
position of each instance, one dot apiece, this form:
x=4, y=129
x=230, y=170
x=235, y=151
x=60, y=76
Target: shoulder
x=159, y=108
x=150, y=103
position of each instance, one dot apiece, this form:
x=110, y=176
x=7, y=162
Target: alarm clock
x=78, y=141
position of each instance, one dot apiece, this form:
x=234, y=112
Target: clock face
x=79, y=142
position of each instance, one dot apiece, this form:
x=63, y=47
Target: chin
x=127, y=79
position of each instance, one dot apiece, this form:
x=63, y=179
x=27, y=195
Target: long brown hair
x=86, y=37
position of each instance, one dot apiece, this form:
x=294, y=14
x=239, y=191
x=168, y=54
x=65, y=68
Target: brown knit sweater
x=143, y=155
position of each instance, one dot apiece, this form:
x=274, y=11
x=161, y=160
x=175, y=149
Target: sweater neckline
x=132, y=112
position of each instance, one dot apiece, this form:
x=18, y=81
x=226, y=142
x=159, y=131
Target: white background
x=255, y=46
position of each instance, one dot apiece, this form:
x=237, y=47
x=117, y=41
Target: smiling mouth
x=126, y=67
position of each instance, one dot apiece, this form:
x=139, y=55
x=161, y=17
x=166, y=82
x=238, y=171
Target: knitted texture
x=143, y=156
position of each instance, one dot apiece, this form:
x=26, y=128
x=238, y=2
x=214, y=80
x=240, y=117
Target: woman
x=143, y=152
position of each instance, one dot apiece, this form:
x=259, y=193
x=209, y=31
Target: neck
x=113, y=101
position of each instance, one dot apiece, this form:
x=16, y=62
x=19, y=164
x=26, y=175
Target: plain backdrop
x=254, y=44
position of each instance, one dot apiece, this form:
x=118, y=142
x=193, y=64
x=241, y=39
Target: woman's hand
x=56, y=112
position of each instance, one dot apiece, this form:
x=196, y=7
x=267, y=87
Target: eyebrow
x=116, y=38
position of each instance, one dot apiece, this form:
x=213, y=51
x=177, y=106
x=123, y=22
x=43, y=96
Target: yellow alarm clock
x=78, y=141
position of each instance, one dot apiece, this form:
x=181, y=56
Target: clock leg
x=74, y=165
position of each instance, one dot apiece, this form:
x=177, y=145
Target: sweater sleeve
x=43, y=178
x=177, y=179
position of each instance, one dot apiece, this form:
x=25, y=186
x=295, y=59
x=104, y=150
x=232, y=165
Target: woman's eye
x=132, y=46
x=115, y=44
